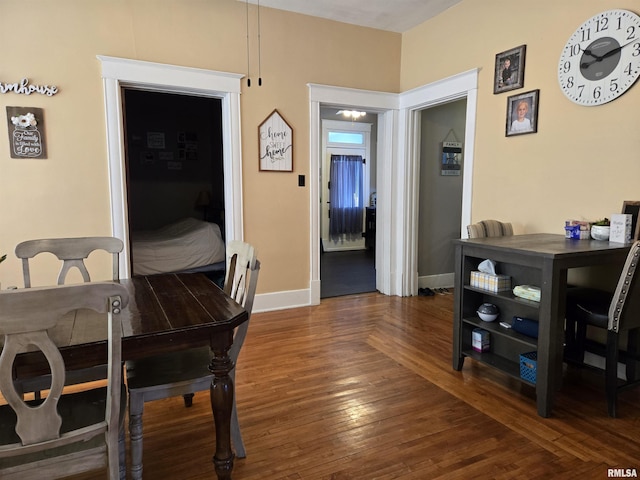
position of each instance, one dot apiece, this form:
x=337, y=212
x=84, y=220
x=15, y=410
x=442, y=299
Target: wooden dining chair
x=489, y=228
x=617, y=313
x=72, y=252
x=62, y=434
x=184, y=373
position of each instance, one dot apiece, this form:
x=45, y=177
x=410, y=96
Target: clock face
x=601, y=60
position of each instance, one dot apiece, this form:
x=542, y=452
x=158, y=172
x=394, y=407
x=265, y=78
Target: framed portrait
x=632, y=208
x=509, y=70
x=275, y=138
x=522, y=113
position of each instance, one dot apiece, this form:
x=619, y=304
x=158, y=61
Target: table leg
x=221, y=403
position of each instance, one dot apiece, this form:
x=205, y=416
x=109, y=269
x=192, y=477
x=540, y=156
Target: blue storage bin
x=528, y=366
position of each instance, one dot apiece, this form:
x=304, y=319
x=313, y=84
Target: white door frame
x=463, y=85
x=397, y=181
x=385, y=105
x=118, y=73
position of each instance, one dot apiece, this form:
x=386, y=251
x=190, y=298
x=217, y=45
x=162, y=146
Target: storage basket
x=528, y=366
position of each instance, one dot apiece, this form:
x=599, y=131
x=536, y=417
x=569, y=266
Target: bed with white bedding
x=186, y=245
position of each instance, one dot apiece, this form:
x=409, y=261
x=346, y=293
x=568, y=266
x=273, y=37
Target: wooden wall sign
x=275, y=137
x=26, y=132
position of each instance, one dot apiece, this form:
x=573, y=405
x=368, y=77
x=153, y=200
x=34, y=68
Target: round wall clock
x=601, y=60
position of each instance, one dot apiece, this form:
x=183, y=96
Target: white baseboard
x=443, y=280
x=266, y=302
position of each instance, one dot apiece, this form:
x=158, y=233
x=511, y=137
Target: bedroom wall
x=174, y=152
x=582, y=163
x=56, y=43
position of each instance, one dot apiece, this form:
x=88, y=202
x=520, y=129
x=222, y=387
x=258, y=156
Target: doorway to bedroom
x=175, y=179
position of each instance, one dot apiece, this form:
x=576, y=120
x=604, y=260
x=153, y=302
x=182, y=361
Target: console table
x=536, y=259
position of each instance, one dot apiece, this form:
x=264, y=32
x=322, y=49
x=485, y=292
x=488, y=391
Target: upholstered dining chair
x=185, y=372
x=617, y=313
x=72, y=252
x=63, y=434
x=489, y=228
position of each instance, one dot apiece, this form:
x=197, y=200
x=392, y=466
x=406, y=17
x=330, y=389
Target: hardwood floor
x=361, y=387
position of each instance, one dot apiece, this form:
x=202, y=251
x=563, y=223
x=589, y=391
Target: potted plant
x=600, y=229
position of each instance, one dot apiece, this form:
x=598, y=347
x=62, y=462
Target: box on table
x=487, y=281
x=577, y=229
x=480, y=340
x=620, y=230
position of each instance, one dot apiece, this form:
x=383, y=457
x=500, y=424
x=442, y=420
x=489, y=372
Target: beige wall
x=582, y=163
x=56, y=43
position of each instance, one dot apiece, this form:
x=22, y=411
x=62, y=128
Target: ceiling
x=391, y=15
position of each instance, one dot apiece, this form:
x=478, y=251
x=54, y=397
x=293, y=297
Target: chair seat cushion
x=169, y=368
x=77, y=410
x=589, y=305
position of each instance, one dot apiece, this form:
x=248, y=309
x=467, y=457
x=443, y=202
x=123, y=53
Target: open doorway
x=347, y=198
x=442, y=127
x=173, y=146
x=121, y=73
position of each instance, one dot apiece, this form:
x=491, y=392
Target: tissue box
x=493, y=283
x=577, y=229
x=480, y=340
x=620, y=230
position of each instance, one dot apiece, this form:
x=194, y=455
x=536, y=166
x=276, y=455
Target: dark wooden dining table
x=166, y=312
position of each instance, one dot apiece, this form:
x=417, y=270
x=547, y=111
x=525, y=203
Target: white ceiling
x=391, y=15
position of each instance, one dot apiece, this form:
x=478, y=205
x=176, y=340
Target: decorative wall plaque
x=276, y=144
x=26, y=132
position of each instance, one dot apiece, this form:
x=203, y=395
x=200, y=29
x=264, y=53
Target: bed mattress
x=183, y=245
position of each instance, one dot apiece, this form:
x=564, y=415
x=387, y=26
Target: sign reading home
x=26, y=132
x=276, y=144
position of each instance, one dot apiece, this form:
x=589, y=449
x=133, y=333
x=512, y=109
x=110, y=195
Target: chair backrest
x=489, y=228
x=241, y=281
x=26, y=319
x=624, y=310
x=72, y=252
x=241, y=258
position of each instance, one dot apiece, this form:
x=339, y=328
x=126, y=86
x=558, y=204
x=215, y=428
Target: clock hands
x=599, y=58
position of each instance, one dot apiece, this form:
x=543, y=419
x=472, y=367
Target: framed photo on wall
x=509, y=70
x=522, y=113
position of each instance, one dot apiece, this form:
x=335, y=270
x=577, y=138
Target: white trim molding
x=397, y=167
x=379, y=102
x=118, y=73
x=456, y=87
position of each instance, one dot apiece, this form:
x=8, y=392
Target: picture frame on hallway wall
x=509, y=70
x=275, y=138
x=522, y=113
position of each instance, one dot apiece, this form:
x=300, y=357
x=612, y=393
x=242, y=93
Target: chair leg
x=136, y=406
x=122, y=453
x=188, y=399
x=236, y=434
x=611, y=373
x=632, y=355
x=580, y=340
